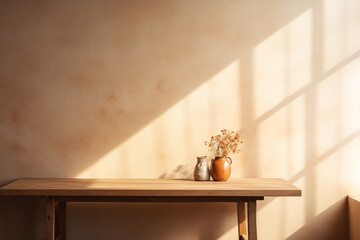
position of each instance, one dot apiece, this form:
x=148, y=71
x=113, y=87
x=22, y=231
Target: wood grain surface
x=50, y=218
x=149, y=187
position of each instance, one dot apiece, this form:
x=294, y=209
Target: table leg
x=50, y=219
x=242, y=222
x=252, y=220
x=61, y=214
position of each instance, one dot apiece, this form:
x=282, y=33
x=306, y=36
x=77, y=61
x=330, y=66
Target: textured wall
x=133, y=88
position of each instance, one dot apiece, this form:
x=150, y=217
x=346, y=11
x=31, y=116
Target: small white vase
x=201, y=171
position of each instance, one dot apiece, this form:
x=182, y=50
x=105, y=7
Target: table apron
x=154, y=199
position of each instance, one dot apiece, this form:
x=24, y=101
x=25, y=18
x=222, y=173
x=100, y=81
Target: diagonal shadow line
x=322, y=157
x=334, y=216
x=295, y=95
x=283, y=103
x=303, y=90
x=340, y=65
x=327, y=154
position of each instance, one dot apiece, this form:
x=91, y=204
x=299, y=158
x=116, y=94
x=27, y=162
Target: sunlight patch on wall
x=341, y=31
x=282, y=142
x=290, y=210
x=351, y=98
x=295, y=215
x=328, y=120
x=282, y=63
x=352, y=27
x=350, y=117
x=328, y=186
x=337, y=136
x=282, y=72
x=350, y=175
x=168, y=145
x=338, y=107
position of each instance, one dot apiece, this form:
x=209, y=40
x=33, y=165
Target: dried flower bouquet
x=225, y=143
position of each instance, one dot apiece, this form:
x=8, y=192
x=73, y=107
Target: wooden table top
x=242, y=187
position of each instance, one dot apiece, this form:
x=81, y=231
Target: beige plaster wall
x=133, y=88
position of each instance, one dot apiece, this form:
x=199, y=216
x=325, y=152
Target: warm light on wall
x=177, y=136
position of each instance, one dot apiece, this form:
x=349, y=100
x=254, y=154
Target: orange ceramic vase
x=221, y=168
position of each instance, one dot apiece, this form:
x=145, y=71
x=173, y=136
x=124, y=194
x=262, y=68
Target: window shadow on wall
x=334, y=217
x=82, y=81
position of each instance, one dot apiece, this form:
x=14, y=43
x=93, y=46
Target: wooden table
x=58, y=192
